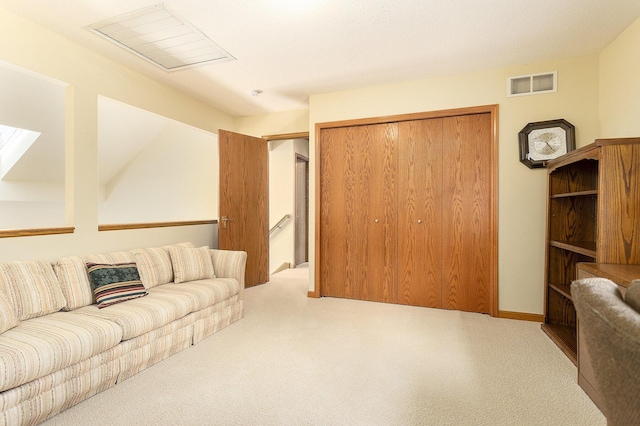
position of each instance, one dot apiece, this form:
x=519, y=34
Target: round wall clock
x=545, y=140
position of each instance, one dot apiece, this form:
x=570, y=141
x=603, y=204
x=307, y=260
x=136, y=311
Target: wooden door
x=445, y=174
x=301, y=245
x=420, y=212
x=337, y=222
x=376, y=171
x=358, y=213
x=244, y=202
x=467, y=231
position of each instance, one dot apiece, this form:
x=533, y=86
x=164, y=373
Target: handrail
x=278, y=225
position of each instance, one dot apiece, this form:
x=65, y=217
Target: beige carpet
x=299, y=361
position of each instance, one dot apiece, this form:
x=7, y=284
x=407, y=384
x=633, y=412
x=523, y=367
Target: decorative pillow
x=187, y=244
x=8, y=318
x=32, y=287
x=632, y=296
x=115, y=283
x=73, y=279
x=191, y=263
x=154, y=265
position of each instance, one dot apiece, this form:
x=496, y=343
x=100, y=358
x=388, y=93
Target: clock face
x=547, y=144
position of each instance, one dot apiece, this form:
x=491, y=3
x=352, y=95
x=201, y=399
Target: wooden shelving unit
x=591, y=217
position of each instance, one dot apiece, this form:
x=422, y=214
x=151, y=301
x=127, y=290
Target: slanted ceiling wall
x=90, y=75
x=32, y=171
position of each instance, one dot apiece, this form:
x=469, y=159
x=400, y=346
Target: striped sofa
x=58, y=348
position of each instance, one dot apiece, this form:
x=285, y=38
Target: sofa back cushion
x=154, y=264
x=74, y=279
x=32, y=288
x=8, y=318
x=191, y=263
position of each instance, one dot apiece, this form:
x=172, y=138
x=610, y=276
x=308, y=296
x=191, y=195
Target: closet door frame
x=492, y=166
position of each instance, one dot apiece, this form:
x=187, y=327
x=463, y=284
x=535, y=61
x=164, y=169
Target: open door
x=244, y=202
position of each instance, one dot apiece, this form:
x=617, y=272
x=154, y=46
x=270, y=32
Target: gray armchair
x=611, y=329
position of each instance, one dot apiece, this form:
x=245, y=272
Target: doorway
x=288, y=200
x=301, y=244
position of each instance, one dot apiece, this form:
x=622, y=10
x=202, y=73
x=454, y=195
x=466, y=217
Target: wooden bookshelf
x=591, y=218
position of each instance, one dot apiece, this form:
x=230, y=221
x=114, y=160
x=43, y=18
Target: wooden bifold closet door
x=405, y=212
x=420, y=212
x=359, y=215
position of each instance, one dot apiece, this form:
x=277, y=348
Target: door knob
x=224, y=221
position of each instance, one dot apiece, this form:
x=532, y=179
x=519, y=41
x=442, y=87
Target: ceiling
x=291, y=49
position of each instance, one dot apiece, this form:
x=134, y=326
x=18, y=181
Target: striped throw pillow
x=115, y=283
x=191, y=263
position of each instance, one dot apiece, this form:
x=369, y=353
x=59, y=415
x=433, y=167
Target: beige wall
x=522, y=191
x=90, y=75
x=620, y=85
x=592, y=90
x=274, y=123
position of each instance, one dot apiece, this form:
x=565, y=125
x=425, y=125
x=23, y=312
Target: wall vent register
x=532, y=84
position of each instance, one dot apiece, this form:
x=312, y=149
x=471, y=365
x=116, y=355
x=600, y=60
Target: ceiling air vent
x=159, y=36
x=532, y=84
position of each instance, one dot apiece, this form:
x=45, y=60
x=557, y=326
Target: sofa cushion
x=154, y=264
x=204, y=293
x=32, y=288
x=191, y=263
x=115, y=283
x=47, y=344
x=144, y=314
x=74, y=280
x=8, y=318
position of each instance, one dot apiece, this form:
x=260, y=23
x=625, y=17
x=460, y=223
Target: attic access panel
x=156, y=34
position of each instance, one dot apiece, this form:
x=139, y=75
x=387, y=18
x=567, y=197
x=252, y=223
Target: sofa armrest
x=230, y=264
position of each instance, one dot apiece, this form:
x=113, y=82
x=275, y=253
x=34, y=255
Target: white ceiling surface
x=291, y=49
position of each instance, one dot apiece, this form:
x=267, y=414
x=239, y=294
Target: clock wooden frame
x=523, y=137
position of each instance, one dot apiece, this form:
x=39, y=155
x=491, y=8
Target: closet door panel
x=376, y=205
x=420, y=212
x=338, y=229
x=467, y=228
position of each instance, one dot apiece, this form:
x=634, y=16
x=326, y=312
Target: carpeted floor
x=299, y=361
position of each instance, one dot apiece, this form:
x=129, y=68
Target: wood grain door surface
x=375, y=205
x=420, y=213
x=405, y=212
x=466, y=231
x=337, y=192
x=244, y=197
x=358, y=212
